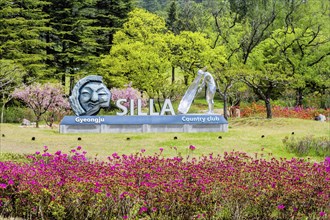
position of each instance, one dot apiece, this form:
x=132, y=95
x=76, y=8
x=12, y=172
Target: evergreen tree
x=110, y=16
x=172, y=18
x=74, y=45
x=82, y=31
x=22, y=25
x=150, y=5
x=192, y=16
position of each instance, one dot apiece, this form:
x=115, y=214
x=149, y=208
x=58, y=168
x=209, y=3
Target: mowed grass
x=251, y=135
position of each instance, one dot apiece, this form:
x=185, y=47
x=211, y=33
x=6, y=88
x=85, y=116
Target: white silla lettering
x=166, y=108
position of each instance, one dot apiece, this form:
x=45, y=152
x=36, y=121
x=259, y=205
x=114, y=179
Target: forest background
x=274, y=51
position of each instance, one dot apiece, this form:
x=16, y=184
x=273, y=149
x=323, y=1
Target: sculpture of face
x=93, y=95
x=89, y=95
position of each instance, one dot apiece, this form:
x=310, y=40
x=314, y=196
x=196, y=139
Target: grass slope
x=244, y=134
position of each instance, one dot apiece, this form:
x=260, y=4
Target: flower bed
x=232, y=186
x=256, y=109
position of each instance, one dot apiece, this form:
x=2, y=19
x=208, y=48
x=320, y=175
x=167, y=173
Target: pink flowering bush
x=137, y=186
x=128, y=93
x=42, y=99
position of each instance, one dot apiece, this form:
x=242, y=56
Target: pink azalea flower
x=58, y=152
x=322, y=214
x=143, y=209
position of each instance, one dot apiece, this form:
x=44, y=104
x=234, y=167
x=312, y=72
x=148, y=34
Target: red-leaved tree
x=42, y=98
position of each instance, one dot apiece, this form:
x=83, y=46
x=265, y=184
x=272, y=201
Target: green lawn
x=244, y=134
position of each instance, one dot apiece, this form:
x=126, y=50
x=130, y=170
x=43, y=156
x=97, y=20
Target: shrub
x=309, y=145
x=256, y=109
x=56, y=115
x=232, y=186
x=17, y=114
x=13, y=157
x=317, y=100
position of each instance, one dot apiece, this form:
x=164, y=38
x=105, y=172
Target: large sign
x=90, y=94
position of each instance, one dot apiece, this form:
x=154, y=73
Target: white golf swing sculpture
x=195, y=88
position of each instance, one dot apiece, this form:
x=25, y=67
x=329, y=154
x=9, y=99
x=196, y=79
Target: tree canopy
x=270, y=45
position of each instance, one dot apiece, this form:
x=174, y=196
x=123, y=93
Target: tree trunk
x=155, y=108
x=185, y=78
x=173, y=74
x=63, y=79
x=159, y=105
x=5, y=101
x=2, y=111
x=268, y=108
x=225, y=113
x=3, y=107
x=37, y=121
x=71, y=83
x=299, y=97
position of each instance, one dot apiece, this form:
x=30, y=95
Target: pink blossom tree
x=128, y=93
x=42, y=98
x=57, y=110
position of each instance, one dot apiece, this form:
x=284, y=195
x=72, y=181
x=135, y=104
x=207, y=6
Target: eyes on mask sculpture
x=89, y=95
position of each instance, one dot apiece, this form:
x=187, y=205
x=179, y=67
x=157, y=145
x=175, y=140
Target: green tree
x=241, y=26
x=10, y=78
x=189, y=51
x=226, y=79
x=172, y=18
x=304, y=42
x=268, y=73
x=192, y=16
x=139, y=54
x=22, y=27
x=109, y=17
x=227, y=35
x=150, y=5
x=74, y=43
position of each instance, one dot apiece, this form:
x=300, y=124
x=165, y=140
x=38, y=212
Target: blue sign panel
x=147, y=119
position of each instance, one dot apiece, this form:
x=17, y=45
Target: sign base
x=141, y=124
